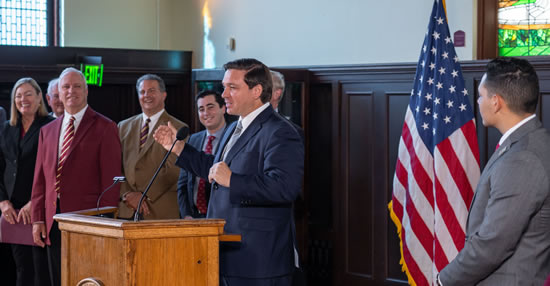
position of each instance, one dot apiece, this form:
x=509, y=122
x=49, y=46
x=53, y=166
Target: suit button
x=14, y=174
x=215, y=186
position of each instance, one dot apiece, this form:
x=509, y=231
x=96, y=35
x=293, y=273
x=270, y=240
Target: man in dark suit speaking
x=256, y=175
x=508, y=227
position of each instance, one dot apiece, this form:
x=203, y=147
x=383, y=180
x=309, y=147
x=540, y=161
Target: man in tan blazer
x=141, y=156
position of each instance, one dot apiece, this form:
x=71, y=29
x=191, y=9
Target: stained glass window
x=23, y=22
x=524, y=27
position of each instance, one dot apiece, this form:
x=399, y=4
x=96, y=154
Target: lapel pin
x=504, y=149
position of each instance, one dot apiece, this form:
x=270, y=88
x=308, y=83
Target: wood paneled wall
x=353, y=117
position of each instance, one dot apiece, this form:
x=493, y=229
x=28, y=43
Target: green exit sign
x=92, y=73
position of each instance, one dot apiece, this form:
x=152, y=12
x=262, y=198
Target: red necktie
x=498, y=145
x=202, y=206
x=67, y=140
x=144, y=133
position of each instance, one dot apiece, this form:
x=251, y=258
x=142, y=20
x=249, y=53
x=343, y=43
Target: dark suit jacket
x=186, y=181
x=93, y=159
x=267, y=168
x=2, y=117
x=508, y=227
x=18, y=156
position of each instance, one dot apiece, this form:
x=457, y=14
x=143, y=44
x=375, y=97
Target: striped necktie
x=144, y=133
x=236, y=134
x=202, y=205
x=67, y=140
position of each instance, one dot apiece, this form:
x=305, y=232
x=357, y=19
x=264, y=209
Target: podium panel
x=159, y=252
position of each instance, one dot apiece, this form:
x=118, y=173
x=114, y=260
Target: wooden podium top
x=86, y=223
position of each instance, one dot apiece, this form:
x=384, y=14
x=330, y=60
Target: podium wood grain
x=159, y=252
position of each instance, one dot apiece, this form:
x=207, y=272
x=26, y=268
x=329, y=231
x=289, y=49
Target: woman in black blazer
x=18, y=148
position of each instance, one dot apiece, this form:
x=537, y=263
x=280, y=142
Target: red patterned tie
x=67, y=140
x=202, y=206
x=144, y=133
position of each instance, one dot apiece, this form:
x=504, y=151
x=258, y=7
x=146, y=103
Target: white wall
x=133, y=24
x=279, y=33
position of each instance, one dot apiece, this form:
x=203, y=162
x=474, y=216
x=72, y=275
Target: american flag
x=438, y=162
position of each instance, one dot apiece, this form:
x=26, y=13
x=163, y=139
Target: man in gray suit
x=508, y=228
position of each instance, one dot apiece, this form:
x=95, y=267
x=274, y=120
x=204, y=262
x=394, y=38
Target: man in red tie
x=78, y=156
x=194, y=192
x=141, y=155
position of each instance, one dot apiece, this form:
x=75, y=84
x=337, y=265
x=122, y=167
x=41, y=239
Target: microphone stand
x=137, y=215
x=118, y=179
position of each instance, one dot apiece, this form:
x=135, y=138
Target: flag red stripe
x=440, y=257
x=469, y=131
x=413, y=268
x=448, y=215
x=419, y=226
x=397, y=208
x=422, y=178
x=457, y=171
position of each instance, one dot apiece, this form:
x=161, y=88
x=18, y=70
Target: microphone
x=118, y=179
x=182, y=134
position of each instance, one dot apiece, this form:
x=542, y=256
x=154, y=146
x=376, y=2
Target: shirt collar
x=77, y=116
x=247, y=120
x=511, y=130
x=154, y=118
x=216, y=134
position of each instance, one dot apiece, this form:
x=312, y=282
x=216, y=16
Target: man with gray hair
x=78, y=156
x=141, y=155
x=53, y=99
x=278, y=89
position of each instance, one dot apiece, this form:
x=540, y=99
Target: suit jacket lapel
x=528, y=127
x=252, y=129
x=32, y=129
x=227, y=134
x=13, y=137
x=57, y=125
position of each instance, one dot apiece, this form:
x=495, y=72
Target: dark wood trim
x=487, y=29
x=53, y=23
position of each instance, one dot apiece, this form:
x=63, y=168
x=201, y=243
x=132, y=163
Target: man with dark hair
x=256, y=175
x=508, y=227
x=141, y=155
x=194, y=192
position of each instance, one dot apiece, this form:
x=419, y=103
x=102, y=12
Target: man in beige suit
x=141, y=155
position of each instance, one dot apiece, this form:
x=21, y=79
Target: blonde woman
x=18, y=148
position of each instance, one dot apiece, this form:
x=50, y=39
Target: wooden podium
x=105, y=251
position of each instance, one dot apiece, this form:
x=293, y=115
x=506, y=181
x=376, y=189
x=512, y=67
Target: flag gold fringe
x=397, y=223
